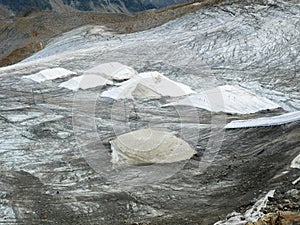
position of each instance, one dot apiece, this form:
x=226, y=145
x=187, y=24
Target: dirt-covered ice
x=55, y=156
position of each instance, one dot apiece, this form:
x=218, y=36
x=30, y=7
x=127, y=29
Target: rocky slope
x=22, y=36
x=21, y=6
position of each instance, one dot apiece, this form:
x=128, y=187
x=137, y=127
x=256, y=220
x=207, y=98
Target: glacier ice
x=230, y=44
x=7, y=214
x=228, y=99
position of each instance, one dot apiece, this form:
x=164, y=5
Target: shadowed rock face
x=284, y=218
x=54, y=144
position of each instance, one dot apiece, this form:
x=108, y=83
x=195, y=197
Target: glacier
x=55, y=152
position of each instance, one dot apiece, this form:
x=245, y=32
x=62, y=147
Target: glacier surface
x=46, y=171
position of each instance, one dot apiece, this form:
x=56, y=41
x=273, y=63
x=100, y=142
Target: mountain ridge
x=24, y=35
x=123, y=6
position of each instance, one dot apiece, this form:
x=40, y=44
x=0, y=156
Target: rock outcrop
x=279, y=218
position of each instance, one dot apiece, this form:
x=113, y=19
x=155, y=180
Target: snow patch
x=85, y=82
x=149, y=146
x=265, y=121
x=49, y=74
x=113, y=71
x=228, y=99
x=150, y=85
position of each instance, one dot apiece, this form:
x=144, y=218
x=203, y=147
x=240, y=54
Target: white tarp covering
x=49, y=74
x=147, y=146
x=265, y=121
x=85, y=82
x=296, y=162
x=228, y=99
x=112, y=71
x=150, y=85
